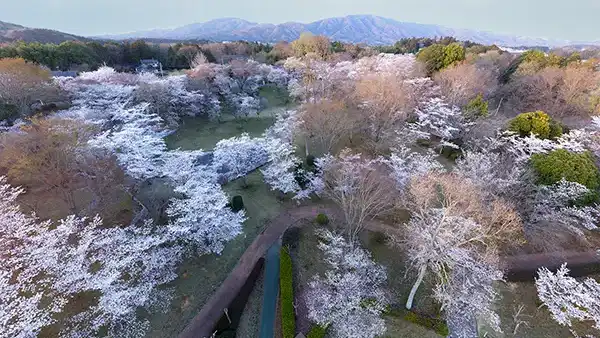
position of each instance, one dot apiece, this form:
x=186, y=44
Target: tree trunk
x=306, y=145
x=413, y=291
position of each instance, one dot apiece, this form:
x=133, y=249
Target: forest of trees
x=463, y=153
x=84, y=56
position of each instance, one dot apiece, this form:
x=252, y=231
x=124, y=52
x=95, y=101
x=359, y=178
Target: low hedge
x=317, y=331
x=437, y=325
x=288, y=319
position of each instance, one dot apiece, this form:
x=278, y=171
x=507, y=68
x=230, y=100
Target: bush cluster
x=317, y=331
x=322, y=219
x=438, y=56
x=237, y=203
x=538, y=123
x=575, y=167
x=288, y=320
x=477, y=107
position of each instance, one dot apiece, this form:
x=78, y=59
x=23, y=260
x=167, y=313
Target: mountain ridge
x=369, y=29
x=10, y=32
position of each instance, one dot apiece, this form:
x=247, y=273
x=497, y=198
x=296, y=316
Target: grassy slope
x=201, y=276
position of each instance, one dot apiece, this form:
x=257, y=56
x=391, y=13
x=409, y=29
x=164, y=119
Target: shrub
x=477, y=107
x=310, y=160
x=556, y=129
x=437, y=325
x=438, y=56
x=237, y=203
x=317, y=331
x=288, y=320
x=322, y=219
x=453, y=53
x=538, y=123
x=574, y=167
x=8, y=111
x=433, y=57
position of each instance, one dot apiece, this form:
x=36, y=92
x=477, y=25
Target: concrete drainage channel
x=271, y=290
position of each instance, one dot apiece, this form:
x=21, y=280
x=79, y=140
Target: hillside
x=11, y=32
x=354, y=28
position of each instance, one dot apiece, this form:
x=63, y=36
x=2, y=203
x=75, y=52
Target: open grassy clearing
x=273, y=96
x=199, y=133
x=200, y=277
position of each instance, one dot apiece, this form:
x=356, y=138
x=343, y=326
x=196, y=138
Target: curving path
x=519, y=268
x=202, y=324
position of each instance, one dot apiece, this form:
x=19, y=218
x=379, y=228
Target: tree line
x=84, y=56
x=124, y=55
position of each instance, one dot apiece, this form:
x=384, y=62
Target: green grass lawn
x=274, y=96
x=201, y=276
x=200, y=133
x=538, y=321
x=399, y=283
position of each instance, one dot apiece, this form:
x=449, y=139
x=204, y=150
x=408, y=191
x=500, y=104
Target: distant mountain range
x=10, y=32
x=370, y=29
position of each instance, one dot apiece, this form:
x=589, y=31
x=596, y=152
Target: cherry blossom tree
x=202, y=217
x=439, y=119
x=282, y=161
x=555, y=204
x=279, y=142
x=407, y=165
x=494, y=172
x=469, y=295
x=443, y=243
x=449, y=218
x=44, y=266
x=568, y=299
x=237, y=156
x=359, y=186
x=350, y=297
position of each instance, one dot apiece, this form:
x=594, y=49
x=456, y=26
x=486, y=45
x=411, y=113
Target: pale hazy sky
x=559, y=19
